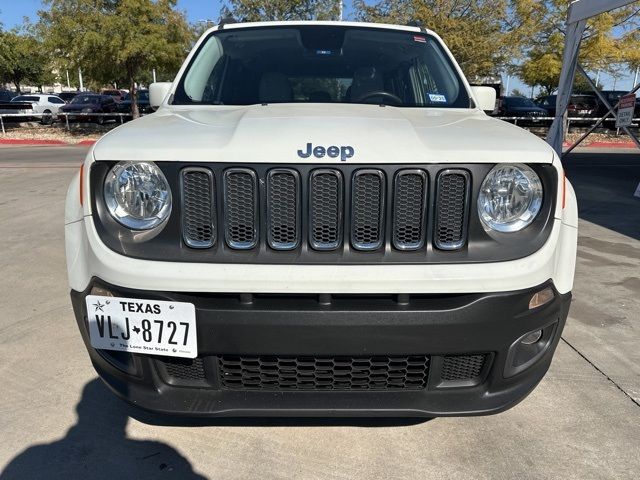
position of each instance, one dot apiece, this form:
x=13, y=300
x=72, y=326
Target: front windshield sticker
x=437, y=98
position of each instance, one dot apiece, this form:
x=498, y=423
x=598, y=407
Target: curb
x=611, y=145
x=19, y=141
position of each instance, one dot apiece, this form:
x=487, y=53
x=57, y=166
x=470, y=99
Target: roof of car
x=382, y=26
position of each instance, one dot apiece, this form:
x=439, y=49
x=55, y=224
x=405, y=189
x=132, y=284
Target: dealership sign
x=626, y=107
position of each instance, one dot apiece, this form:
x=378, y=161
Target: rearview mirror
x=157, y=93
x=485, y=98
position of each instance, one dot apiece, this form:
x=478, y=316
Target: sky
x=13, y=11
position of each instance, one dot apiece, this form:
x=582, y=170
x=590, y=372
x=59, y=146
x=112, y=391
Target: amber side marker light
x=541, y=298
x=102, y=292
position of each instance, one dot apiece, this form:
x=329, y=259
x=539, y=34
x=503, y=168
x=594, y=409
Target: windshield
x=519, y=102
x=25, y=99
x=321, y=64
x=85, y=99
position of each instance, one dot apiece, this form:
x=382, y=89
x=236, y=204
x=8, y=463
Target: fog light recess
x=528, y=349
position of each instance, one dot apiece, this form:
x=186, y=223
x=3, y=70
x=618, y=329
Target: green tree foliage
x=116, y=40
x=266, y=10
x=601, y=49
x=630, y=49
x=22, y=59
x=484, y=35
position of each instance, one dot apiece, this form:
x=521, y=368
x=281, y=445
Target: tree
x=484, y=35
x=630, y=47
x=22, y=59
x=266, y=10
x=116, y=40
x=601, y=49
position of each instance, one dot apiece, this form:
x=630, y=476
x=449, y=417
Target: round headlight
x=137, y=195
x=510, y=198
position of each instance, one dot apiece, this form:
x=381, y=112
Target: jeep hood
x=275, y=133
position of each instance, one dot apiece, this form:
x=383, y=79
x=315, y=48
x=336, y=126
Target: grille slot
x=241, y=208
x=452, y=209
x=462, y=367
x=198, y=208
x=283, y=209
x=409, y=209
x=323, y=373
x=367, y=209
x=325, y=205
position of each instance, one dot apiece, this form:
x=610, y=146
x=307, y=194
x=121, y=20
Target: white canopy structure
x=579, y=12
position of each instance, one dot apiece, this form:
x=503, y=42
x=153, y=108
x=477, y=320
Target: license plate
x=142, y=326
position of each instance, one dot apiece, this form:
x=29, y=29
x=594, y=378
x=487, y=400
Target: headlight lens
x=510, y=198
x=137, y=195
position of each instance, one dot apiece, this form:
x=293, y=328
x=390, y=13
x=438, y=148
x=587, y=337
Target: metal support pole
x=66, y=119
x=573, y=38
x=2, y=124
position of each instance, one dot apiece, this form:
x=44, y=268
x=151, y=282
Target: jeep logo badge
x=333, y=151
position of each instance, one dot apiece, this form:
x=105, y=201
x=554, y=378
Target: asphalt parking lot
x=58, y=421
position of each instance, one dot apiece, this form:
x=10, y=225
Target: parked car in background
x=40, y=107
x=7, y=95
x=143, y=103
x=521, y=107
x=118, y=95
x=583, y=106
x=613, y=97
x=68, y=96
x=84, y=104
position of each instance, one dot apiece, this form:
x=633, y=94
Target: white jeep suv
x=320, y=219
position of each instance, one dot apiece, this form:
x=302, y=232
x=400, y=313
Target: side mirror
x=485, y=98
x=157, y=93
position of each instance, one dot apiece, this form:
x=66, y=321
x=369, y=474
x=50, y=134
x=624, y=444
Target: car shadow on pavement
x=605, y=184
x=97, y=447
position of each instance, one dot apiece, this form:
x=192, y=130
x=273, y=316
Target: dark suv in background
x=6, y=95
x=582, y=106
x=521, y=107
x=143, y=103
x=84, y=104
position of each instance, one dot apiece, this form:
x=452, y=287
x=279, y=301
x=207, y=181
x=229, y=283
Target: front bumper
x=442, y=328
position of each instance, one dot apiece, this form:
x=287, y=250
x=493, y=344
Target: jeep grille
x=375, y=199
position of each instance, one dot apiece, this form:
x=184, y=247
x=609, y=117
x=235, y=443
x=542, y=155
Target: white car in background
x=42, y=107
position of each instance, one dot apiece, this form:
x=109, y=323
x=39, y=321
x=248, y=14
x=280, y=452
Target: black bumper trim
x=434, y=325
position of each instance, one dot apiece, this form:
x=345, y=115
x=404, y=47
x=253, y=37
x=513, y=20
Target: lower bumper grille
x=323, y=373
x=237, y=372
